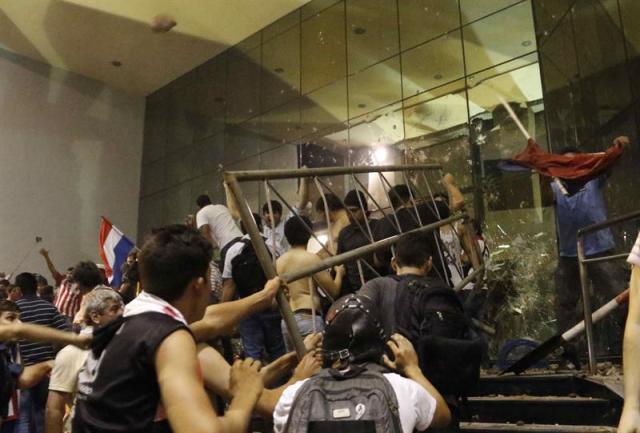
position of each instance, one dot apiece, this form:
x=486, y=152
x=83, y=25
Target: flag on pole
x=114, y=248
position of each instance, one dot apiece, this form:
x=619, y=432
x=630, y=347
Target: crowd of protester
x=154, y=354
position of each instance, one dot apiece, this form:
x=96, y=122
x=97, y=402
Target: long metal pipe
x=244, y=176
x=364, y=250
x=606, y=258
x=608, y=223
x=584, y=278
x=265, y=261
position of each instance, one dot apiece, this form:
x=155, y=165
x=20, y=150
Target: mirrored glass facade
x=331, y=83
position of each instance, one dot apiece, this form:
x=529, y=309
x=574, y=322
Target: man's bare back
x=301, y=291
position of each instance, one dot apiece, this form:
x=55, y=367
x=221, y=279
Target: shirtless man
x=338, y=219
x=302, y=296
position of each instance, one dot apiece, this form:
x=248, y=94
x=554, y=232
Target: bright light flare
x=380, y=155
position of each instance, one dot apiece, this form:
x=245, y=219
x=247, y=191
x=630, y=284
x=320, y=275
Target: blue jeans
x=261, y=332
x=32, y=405
x=305, y=325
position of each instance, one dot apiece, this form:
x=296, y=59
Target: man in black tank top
x=143, y=369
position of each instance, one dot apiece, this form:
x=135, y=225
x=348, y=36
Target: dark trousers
x=607, y=278
x=261, y=332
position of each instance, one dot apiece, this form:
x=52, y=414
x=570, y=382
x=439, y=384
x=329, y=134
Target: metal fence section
x=234, y=178
x=584, y=279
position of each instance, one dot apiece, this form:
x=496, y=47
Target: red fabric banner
x=580, y=166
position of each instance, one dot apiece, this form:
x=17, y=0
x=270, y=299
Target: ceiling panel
x=86, y=36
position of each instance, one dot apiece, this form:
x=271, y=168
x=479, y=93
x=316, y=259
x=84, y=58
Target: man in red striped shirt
x=68, y=297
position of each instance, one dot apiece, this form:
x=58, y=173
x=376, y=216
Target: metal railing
x=233, y=179
x=584, y=278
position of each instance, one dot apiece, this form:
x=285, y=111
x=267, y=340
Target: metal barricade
x=584, y=279
x=234, y=178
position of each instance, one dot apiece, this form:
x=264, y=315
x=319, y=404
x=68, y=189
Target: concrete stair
x=544, y=403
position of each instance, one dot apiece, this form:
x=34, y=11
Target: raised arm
x=57, y=276
x=467, y=239
x=186, y=403
x=630, y=420
x=42, y=334
x=303, y=194
x=456, y=199
x=220, y=319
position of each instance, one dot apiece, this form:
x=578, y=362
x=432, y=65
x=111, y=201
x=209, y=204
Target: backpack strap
x=246, y=242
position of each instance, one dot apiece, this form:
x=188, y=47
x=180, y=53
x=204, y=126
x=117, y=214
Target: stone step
x=540, y=384
x=477, y=427
x=541, y=410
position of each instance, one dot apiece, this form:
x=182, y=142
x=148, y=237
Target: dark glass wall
x=355, y=82
x=589, y=61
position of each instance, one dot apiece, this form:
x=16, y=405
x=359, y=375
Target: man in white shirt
x=260, y=331
x=216, y=224
x=354, y=342
x=275, y=236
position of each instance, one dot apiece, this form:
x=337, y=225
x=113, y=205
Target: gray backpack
x=363, y=403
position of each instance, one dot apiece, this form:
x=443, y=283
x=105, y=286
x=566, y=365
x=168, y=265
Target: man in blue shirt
x=578, y=205
x=40, y=312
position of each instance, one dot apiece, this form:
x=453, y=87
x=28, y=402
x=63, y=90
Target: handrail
x=605, y=258
x=608, y=223
x=584, y=283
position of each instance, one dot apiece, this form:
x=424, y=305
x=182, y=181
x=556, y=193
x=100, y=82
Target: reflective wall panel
x=358, y=82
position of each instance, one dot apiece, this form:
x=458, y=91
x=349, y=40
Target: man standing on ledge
x=579, y=204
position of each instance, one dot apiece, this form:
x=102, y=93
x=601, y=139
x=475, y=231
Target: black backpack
x=431, y=316
x=246, y=271
x=363, y=402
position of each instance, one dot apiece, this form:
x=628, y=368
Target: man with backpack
x=243, y=276
x=430, y=314
x=355, y=392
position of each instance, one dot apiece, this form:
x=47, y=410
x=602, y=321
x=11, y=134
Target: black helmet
x=353, y=333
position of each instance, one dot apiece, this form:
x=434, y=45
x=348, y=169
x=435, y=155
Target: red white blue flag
x=114, y=248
